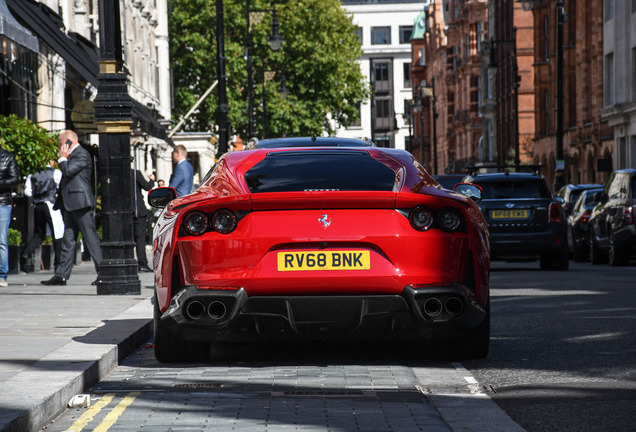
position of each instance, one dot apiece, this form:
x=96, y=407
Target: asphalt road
x=562, y=359
x=563, y=347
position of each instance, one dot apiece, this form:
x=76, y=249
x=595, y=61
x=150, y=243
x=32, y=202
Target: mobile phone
x=69, y=142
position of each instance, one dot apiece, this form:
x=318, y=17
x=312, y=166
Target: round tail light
x=224, y=221
x=449, y=219
x=421, y=218
x=196, y=223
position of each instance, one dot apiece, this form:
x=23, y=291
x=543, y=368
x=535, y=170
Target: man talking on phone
x=76, y=200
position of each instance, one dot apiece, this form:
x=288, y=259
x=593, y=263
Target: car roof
x=255, y=143
x=504, y=176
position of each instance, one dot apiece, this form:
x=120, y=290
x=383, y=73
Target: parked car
x=320, y=239
x=524, y=220
x=612, y=231
x=571, y=192
x=578, y=224
x=448, y=181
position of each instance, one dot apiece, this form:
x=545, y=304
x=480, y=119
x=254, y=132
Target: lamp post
x=223, y=109
x=113, y=116
x=275, y=42
x=560, y=19
x=430, y=92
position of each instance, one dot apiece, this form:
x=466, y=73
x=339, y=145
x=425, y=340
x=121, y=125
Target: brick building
x=447, y=83
x=587, y=137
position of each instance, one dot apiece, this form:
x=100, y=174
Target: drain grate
x=326, y=393
x=197, y=385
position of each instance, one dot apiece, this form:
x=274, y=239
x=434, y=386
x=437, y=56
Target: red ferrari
x=313, y=239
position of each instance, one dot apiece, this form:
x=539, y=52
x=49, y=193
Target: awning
x=14, y=31
x=46, y=24
x=146, y=122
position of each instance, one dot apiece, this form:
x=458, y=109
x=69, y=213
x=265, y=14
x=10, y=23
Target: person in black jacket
x=77, y=202
x=9, y=179
x=140, y=217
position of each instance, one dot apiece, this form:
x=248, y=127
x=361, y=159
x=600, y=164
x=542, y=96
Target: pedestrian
x=181, y=178
x=9, y=179
x=42, y=186
x=77, y=202
x=161, y=183
x=140, y=217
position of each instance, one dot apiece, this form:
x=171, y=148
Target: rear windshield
x=306, y=171
x=512, y=189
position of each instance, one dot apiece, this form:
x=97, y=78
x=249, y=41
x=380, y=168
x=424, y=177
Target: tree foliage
x=32, y=145
x=318, y=59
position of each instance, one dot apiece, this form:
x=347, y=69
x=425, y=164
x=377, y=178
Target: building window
x=634, y=74
x=609, y=10
x=608, y=88
x=405, y=34
x=481, y=34
x=380, y=35
x=633, y=6
x=407, y=74
x=381, y=77
x=546, y=112
x=422, y=56
x=358, y=32
x=355, y=121
x=546, y=38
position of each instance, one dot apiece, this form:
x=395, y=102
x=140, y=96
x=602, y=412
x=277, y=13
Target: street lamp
x=430, y=92
x=275, y=42
x=560, y=19
x=113, y=116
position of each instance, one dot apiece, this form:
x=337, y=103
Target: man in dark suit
x=140, y=217
x=183, y=173
x=77, y=202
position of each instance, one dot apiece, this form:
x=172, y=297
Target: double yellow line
x=111, y=417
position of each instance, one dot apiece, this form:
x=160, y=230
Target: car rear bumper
x=232, y=316
x=525, y=246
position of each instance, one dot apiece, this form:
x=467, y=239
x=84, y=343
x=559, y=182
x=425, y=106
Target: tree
x=318, y=59
x=32, y=145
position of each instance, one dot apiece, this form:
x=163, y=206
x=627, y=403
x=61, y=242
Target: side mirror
x=160, y=197
x=559, y=199
x=472, y=191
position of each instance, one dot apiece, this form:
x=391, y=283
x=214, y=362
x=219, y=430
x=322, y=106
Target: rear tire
x=171, y=349
x=616, y=256
x=596, y=257
x=474, y=344
x=579, y=254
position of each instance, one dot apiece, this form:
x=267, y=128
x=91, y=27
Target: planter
x=14, y=259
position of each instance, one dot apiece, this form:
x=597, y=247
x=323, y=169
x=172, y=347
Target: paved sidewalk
x=58, y=341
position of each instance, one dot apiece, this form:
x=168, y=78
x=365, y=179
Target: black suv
x=612, y=231
x=525, y=222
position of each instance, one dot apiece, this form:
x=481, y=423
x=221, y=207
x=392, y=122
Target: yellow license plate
x=509, y=214
x=324, y=260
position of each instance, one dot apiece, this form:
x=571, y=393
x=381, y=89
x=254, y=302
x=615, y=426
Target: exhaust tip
x=217, y=310
x=195, y=309
x=432, y=306
x=454, y=306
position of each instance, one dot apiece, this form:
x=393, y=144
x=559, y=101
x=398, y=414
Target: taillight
x=224, y=221
x=196, y=223
x=421, y=218
x=629, y=215
x=449, y=219
x=585, y=217
x=555, y=213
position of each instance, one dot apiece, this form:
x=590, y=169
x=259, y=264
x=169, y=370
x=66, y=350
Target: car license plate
x=509, y=214
x=324, y=260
